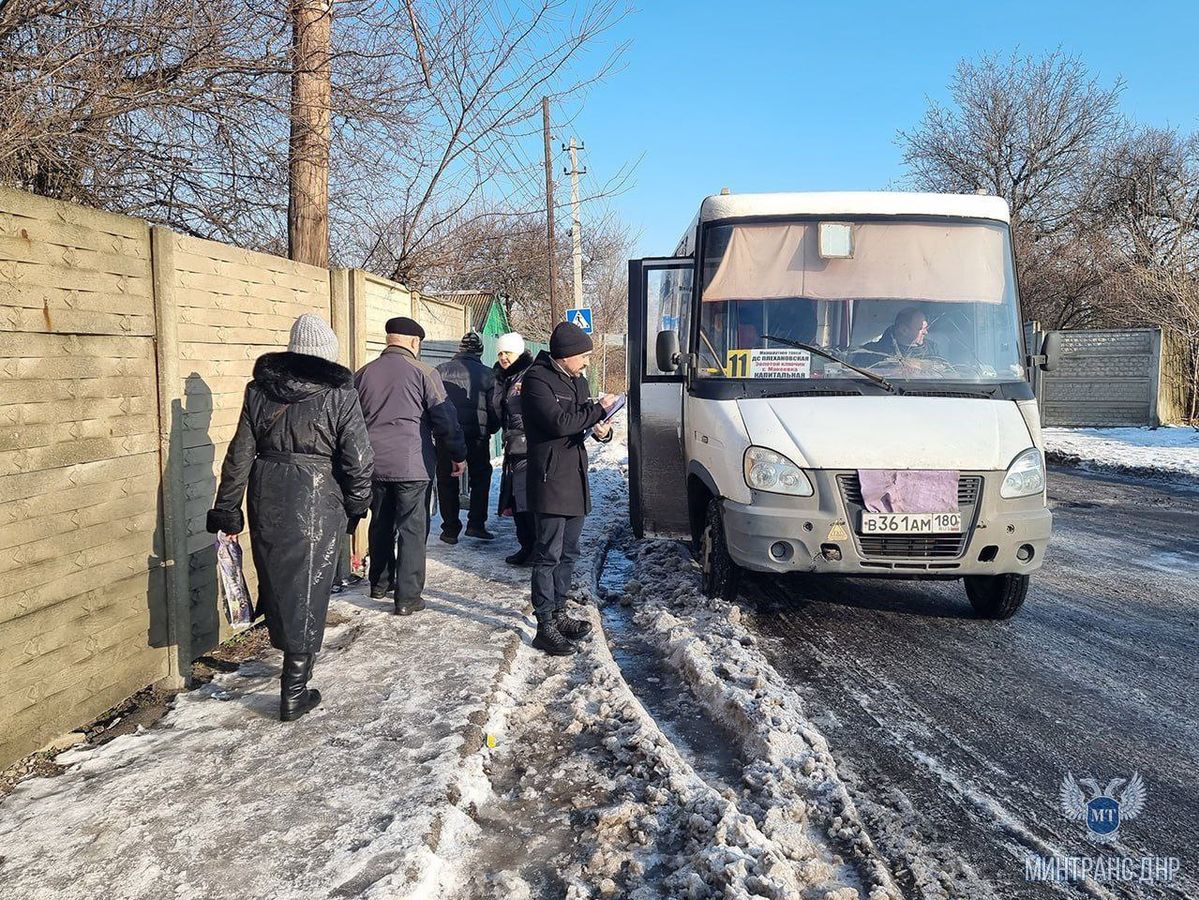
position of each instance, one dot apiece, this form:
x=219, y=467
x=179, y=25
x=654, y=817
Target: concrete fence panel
x=232, y=306
x=1105, y=378
x=125, y=351
x=84, y=620
x=441, y=321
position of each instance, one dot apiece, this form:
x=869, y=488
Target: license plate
x=911, y=523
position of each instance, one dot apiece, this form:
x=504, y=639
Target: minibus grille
x=913, y=546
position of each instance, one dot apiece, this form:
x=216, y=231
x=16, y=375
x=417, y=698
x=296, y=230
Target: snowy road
x=954, y=734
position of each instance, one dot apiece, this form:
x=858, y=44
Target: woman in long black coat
x=301, y=444
x=512, y=359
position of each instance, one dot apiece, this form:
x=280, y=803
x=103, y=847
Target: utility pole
x=576, y=228
x=555, y=311
x=308, y=151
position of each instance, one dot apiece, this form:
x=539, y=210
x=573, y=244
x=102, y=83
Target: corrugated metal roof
x=477, y=303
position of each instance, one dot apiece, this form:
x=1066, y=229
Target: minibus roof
x=854, y=203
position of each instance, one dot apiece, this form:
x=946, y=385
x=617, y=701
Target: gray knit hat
x=310, y=335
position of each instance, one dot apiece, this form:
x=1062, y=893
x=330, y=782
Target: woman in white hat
x=512, y=362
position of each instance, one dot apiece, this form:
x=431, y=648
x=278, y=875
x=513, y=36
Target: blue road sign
x=580, y=317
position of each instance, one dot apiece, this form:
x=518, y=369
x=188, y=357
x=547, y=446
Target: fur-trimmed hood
x=291, y=377
x=519, y=364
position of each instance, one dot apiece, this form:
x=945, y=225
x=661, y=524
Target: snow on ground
x=365, y=796
x=789, y=829
x=1169, y=450
x=392, y=788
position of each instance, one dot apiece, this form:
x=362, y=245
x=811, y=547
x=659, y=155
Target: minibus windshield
x=926, y=299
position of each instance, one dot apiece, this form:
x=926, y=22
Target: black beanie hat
x=471, y=343
x=569, y=339
x=405, y=325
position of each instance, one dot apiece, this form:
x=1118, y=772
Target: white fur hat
x=511, y=342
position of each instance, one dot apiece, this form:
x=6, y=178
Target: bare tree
x=168, y=109
x=1023, y=128
x=1168, y=296
x=468, y=147
x=1031, y=130
x=180, y=111
x=1148, y=197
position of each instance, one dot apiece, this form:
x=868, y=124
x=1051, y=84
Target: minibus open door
x=660, y=293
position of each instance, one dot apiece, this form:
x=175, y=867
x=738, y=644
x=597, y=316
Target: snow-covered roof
x=854, y=203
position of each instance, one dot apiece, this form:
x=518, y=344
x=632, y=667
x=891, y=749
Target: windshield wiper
x=877, y=379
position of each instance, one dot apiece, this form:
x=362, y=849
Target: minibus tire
x=996, y=596
x=722, y=576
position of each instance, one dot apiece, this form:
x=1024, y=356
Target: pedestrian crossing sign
x=580, y=317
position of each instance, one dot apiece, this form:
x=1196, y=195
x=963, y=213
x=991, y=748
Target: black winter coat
x=509, y=383
x=514, y=496
x=301, y=445
x=470, y=385
x=558, y=414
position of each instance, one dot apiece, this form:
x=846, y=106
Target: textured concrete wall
x=1106, y=378
x=381, y=300
x=125, y=353
x=441, y=321
x=233, y=306
x=83, y=612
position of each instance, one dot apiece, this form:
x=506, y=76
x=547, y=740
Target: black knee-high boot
x=526, y=535
x=295, y=698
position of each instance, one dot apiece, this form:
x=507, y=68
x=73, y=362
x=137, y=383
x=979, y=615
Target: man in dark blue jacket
x=405, y=406
x=470, y=385
x=558, y=415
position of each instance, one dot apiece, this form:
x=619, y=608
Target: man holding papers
x=558, y=415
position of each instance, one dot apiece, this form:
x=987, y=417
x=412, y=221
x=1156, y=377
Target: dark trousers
x=526, y=530
x=554, y=555
x=398, y=531
x=478, y=473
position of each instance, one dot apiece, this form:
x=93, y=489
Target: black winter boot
x=408, y=607
x=552, y=641
x=295, y=699
x=573, y=629
x=520, y=558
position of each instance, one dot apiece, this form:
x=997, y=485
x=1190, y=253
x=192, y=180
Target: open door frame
x=657, y=506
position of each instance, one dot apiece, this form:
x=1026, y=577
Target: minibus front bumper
x=780, y=533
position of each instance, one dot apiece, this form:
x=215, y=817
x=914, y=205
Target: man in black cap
x=405, y=406
x=471, y=388
x=558, y=415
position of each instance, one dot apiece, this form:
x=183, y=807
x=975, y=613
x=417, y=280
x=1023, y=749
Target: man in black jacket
x=470, y=386
x=405, y=406
x=558, y=415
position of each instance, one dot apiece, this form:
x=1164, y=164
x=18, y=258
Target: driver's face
x=916, y=337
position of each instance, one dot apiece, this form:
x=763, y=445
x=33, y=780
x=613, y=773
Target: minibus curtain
x=950, y=263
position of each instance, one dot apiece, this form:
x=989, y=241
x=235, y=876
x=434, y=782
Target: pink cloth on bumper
x=909, y=490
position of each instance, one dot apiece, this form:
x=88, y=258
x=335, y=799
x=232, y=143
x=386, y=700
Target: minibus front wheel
x=996, y=596
x=722, y=576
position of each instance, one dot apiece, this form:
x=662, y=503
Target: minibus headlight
x=1025, y=476
x=766, y=470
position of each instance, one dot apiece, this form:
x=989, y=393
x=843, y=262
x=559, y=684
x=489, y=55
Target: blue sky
x=764, y=96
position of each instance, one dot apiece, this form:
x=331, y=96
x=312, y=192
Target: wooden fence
x=125, y=351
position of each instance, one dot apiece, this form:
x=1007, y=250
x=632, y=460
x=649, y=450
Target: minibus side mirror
x=1051, y=351
x=667, y=351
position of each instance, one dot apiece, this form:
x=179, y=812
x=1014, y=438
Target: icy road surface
x=954, y=734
